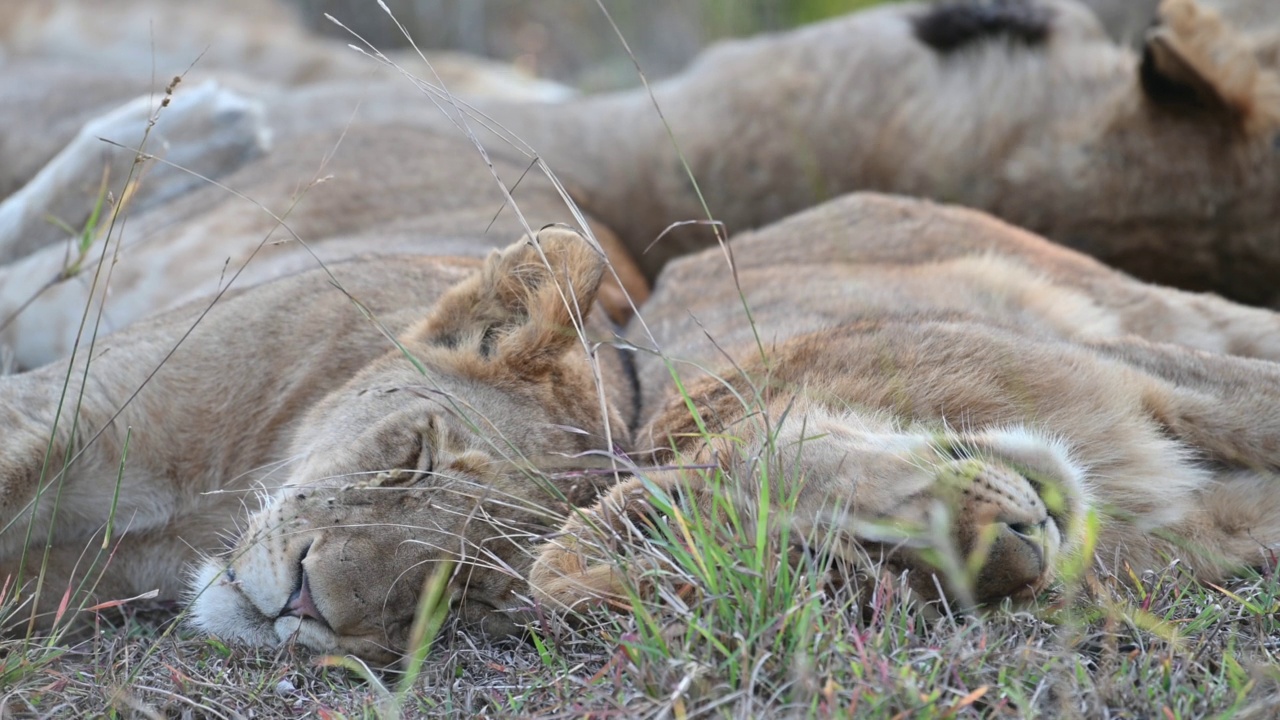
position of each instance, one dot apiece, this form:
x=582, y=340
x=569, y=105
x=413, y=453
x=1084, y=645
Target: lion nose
x=1015, y=562
x=300, y=604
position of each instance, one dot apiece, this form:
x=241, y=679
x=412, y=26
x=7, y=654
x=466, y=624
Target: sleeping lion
x=904, y=364
x=914, y=361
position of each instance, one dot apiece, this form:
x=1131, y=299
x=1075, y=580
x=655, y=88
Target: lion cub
x=906, y=365
x=426, y=408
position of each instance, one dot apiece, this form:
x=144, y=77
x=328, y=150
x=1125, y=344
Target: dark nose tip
x=300, y=604
x=1015, y=562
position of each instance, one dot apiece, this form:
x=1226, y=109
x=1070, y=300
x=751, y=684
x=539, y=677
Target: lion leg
x=43, y=311
x=577, y=569
x=1224, y=409
x=1230, y=523
x=1196, y=320
x=1222, y=406
x=30, y=492
x=65, y=490
x=60, y=581
x=206, y=131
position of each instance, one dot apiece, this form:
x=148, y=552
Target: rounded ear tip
x=561, y=244
x=560, y=237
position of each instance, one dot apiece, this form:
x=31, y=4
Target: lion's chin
x=219, y=608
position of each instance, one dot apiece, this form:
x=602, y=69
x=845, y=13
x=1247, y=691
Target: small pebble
x=284, y=687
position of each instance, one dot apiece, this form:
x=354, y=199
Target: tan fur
x=323, y=196
x=871, y=255
x=918, y=363
x=1194, y=47
x=200, y=133
x=80, y=97
x=1129, y=20
x=970, y=370
x=194, y=138
x=500, y=384
x=932, y=364
x=1060, y=138
x=262, y=85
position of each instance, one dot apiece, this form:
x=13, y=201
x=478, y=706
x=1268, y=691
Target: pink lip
x=301, y=605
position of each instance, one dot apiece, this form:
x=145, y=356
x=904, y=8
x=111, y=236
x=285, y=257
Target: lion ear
x=1193, y=61
x=526, y=305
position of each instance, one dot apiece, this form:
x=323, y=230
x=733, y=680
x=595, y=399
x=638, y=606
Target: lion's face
x=433, y=453
x=853, y=485
x=395, y=475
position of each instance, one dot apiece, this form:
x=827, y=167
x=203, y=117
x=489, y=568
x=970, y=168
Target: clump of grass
x=720, y=634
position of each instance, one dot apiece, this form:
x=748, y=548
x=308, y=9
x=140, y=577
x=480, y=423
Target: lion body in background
x=451, y=409
x=68, y=61
x=1039, y=119
x=313, y=203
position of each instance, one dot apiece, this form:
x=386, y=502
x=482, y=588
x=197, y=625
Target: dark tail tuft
x=950, y=26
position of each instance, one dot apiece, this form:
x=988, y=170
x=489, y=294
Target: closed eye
x=425, y=461
x=953, y=450
x=419, y=458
